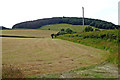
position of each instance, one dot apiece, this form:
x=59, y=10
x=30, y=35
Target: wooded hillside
x=68, y=20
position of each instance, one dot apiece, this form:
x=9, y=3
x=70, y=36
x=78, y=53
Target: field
x=28, y=33
x=58, y=27
x=46, y=57
x=107, y=40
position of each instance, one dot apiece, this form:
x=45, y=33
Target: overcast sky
x=16, y=11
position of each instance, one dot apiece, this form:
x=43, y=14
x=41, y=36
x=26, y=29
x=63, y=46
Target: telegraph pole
x=119, y=30
x=83, y=17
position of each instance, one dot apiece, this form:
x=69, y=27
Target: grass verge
x=107, y=40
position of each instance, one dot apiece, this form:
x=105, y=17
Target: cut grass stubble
x=38, y=56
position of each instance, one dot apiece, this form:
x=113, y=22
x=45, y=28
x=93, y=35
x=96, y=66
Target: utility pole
x=83, y=18
x=119, y=13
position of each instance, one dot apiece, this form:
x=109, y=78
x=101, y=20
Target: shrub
x=62, y=29
x=52, y=35
x=87, y=29
x=69, y=31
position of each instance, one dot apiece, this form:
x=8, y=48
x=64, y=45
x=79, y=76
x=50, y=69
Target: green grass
x=58, y=27
x=107, y=40
x=51, y=76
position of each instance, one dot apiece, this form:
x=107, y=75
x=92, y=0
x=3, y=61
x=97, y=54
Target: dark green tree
x=69, y=31
x=87, y=29
x=62, y=29
x=52, y=35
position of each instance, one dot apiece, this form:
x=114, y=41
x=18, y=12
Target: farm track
x=103, y=70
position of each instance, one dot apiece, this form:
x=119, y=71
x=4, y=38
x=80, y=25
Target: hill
x=58, y=27
x=35, y=24
x=2, y=28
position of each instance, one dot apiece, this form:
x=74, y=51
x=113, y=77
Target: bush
x=87, y=29
x=62, y=29
x=69, y=31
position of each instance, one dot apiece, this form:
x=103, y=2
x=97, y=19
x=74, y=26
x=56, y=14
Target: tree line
x=3, y=28
x=35, y=24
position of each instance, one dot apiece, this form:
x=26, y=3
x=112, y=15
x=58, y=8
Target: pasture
x=41, y=56
x=58, y=27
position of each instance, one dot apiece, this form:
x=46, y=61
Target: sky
x=16, y=11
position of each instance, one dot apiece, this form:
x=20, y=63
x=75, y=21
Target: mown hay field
x=28, y=32
x=39, y=56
